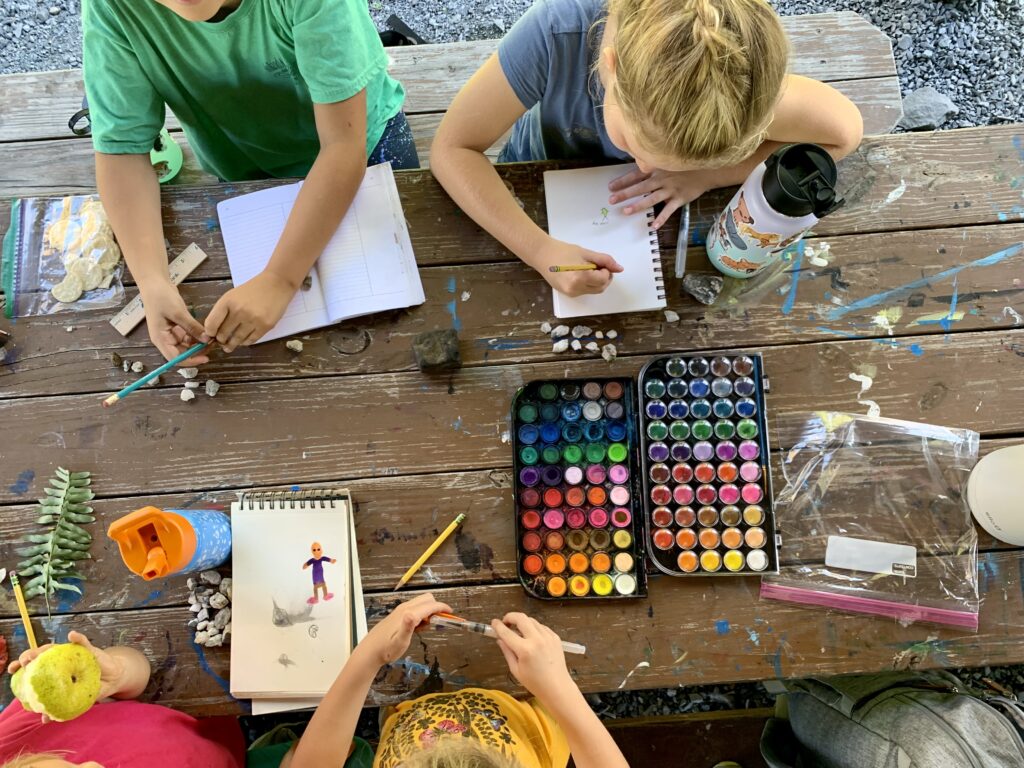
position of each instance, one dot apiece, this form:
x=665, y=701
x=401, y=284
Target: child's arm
x=244, y=314
x=124, y=671
x=535, y=658
x=329, y=734
x=482, y=111
x=809, y=111
x=130, y=193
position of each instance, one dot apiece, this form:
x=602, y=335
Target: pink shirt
x=126, y=734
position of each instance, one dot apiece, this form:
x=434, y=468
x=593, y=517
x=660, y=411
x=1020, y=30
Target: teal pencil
x=154, y=373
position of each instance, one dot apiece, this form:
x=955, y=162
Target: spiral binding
x=316, y=499
x=659, y=275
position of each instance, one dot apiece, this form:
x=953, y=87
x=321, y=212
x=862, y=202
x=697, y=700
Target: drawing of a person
x=317, y=561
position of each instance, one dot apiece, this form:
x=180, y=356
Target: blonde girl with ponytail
x=695, y=92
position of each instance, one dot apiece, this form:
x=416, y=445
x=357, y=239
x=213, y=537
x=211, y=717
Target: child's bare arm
x=480, y=114
x=329, y=735
x=131, y=198
x=536, y=659
x=244, y=314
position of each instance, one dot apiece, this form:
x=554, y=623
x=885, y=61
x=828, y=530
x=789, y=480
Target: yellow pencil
x=573, y=267
x=23, y=610
x=430, y=550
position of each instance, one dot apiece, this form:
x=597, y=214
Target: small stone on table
x=704, y=288
x=437, y=350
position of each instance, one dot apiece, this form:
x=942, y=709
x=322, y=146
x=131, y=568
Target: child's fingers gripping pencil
x=457, y=622
x=154, y=373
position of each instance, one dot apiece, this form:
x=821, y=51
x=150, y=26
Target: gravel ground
x=969, y=50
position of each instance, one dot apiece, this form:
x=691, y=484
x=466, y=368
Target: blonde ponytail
x=698, y=79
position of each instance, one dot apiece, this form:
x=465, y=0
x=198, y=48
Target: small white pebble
x=608, y=352
x=545, y=327
x=579, y=331
x=294, y=345
x=560, y=346
x=212, y=387
x=671, y=316
x=466, y=295
x=138, y=367
x=598, y=335
x=69, y=328
x=561, y=330
x=593, y=346
x=188, y=373
x=187, y=394
x=612, y=334
x=191, y=385
x=576, y=344
x=126, y=365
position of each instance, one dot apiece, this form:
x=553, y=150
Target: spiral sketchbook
x=297, y=602
x=579, y=213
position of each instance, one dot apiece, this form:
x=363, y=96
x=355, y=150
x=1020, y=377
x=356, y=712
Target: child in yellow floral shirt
x=471, y=728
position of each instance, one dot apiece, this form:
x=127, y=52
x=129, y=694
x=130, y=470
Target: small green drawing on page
x=603, y=220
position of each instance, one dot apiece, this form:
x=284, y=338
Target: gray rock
x=437, y=350
x=926, y=109
x=202, y=625
x=579, y=331
x=201, y=637
x=222, y=619
x=225, y=587
x=210, y=577
x=560, y=346
x=214, y=641
x=704, y=288
x=195, y=608
x=217, y=600
x=204, y=613
x=194, y=624
x=190, y=583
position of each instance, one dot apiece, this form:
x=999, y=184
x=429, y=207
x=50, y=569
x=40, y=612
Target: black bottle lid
x=800, y=179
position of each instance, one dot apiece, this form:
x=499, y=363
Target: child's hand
x=674, y=188
x=389, y=640
x=558, y=253
x=534, y=655
x=172, y=329
x=112, y=670
x=243, y=314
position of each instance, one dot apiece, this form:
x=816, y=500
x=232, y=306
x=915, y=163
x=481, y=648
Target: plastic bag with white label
x=874, y=519
x=59, y=255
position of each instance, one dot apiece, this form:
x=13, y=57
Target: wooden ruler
x=183, y=266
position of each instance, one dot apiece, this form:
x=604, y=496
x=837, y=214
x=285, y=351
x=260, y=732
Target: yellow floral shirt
x=519, y=729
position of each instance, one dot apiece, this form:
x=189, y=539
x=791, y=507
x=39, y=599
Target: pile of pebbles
x=209, y=598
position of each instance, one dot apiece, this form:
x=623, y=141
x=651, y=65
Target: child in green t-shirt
x=262, y=88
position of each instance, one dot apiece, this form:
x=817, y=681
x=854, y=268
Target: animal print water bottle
x=782, y=198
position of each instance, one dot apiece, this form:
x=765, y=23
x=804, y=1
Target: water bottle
x=158, y=542
x=782, y=198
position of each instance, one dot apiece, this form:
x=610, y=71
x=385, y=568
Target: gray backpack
x=896, y=720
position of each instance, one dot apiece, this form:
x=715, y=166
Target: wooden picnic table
x=352, y=409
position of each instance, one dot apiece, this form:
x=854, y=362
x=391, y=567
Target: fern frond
x=50, y=559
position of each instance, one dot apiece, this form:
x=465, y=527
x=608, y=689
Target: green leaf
x=46, y=519
x=67, y=587
x=38, y=549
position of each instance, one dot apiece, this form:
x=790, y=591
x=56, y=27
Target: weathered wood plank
x=507, y=303
x=397, y=519
x=906, y=181
x=690, y=631
x=37, y=105
x=338, y=428
x=69, y=162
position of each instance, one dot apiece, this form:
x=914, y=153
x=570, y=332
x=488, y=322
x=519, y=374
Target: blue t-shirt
x=548, y=58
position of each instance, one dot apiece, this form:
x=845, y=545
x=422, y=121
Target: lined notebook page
x=579, y=213
x=368, y=265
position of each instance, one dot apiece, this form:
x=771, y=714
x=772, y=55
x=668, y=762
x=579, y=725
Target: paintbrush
x=430, y=550
x=23, y=610
x=457, y=622
x=154, y=373
x=572, y=267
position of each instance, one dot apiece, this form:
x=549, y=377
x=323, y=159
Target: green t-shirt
x=242, y=88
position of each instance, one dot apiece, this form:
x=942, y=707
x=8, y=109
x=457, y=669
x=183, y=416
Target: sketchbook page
x=368, y=265
x=358, y=601
x=283, y=643
x=270, y=706
x=579, y=213
x=251, y=225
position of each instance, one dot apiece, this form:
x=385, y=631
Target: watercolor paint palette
x=579, y=517
x=707, y=482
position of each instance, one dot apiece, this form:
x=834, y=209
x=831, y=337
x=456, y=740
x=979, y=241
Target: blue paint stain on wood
x=722, y=626
x=68, y=600
x=153, y=596
x=504, y=344
x=205, y=666
x=453, y=306
x=23, y=483
x=915, y=349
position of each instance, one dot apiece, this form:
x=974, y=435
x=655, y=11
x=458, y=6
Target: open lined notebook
x=579, y=213
x=297, y=602
x=368, y=266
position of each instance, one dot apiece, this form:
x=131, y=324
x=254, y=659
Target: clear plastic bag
x=59, y=255
x=874, y=519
